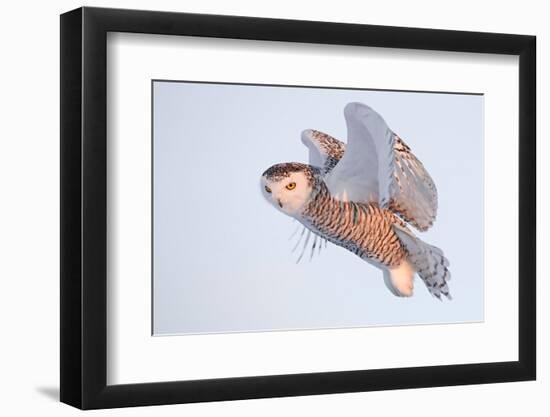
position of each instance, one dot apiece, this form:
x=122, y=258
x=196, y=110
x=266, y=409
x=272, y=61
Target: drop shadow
x=50, y=392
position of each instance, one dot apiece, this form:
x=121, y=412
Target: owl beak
x=280, y=204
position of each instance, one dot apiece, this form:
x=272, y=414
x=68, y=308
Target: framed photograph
x=257, y=208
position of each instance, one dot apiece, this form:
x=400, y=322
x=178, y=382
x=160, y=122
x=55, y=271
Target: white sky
x=222, y=257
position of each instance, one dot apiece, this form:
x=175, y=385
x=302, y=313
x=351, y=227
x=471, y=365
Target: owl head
x=289, y=186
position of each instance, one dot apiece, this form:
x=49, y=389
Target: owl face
x=288, y=187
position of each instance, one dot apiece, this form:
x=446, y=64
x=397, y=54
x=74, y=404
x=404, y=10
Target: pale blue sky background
x=222, y=255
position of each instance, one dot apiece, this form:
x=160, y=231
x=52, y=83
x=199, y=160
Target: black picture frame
x=84, y=207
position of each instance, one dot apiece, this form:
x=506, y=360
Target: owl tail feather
x=428, y=261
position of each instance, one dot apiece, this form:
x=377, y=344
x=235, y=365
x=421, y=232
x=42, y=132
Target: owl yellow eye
x=291, y=186
x=267, y=189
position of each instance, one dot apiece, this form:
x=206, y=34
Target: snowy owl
x=362, y=196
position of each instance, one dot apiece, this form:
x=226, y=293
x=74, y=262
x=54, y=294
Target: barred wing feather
x=324, y=150
x=377, y=166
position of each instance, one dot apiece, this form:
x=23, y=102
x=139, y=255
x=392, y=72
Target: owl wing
x=377, y=166
x=324, y=150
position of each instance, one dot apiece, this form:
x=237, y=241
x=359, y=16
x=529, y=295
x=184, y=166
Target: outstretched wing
x=413, y=193
x=377, y=166
x=324, y=150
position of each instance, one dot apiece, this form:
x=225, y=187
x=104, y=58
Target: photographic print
x=282, y=208
x=335, y=208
